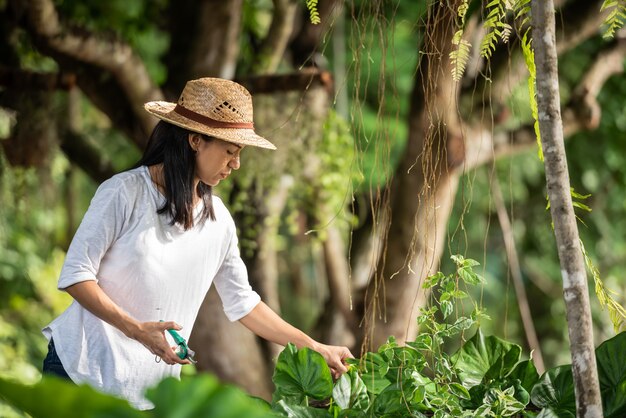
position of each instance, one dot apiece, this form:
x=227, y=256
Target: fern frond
x=462, y=11
x=314, y=15
x=529, y=57
x=617, y=313
x=459, y=56
x=521, y=10
x=615, y=18
x=497, y=28
x=506, y=33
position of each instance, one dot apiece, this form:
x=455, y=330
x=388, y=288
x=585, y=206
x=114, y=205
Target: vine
x=522, y=10
x=617, y=313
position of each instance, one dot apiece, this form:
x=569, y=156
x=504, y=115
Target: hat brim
x=241, y=136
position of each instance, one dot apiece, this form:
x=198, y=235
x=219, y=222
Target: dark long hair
x=169, y=145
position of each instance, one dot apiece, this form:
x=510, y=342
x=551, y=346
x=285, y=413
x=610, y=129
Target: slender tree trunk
x=575, y=291
x=516, y=274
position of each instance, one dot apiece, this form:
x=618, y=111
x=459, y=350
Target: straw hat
x=215, y=107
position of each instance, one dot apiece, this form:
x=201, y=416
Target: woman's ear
x=194, y=141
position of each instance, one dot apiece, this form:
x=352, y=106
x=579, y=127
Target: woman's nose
x=234, y=163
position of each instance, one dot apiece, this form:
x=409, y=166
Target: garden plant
x=485, y=377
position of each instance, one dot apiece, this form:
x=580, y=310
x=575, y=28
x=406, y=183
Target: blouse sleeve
x=232, y=284
x=100, y=227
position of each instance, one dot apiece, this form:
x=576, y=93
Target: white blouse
x=152, y=270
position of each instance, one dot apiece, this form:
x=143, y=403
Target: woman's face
x=215, y=159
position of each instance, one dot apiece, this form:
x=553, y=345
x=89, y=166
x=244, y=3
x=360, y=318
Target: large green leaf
x=392, y=400
x=301, y=374
x=526, y=373
x=350, y=392
x=549, y=413
x=57, y=398
x=373, y=368
x=611, y=359
x=555, y=391
x=299, y=411
x=485, y=358
x=203, y=396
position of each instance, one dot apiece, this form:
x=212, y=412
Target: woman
x=152, y=242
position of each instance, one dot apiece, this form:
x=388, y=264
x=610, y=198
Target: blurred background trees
x=385, y=167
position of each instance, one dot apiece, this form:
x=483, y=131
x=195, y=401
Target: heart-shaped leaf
x=485, y=358
x=301, y=374
x=611, y=359
x=555, y=391
x=350, y=392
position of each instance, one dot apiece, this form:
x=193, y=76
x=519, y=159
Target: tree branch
x=582, y=112
x=579, y=20
x=32, y=80
x=113, y=56
x=300, y=81
x=273, y=47
x=80, y=151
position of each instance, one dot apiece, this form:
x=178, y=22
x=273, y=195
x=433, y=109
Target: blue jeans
x=52, y=364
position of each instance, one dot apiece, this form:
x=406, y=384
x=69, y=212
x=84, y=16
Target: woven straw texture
x=220, y=100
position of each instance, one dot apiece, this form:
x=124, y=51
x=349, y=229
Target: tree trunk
x=575, y=291
x=423, y=192
x=229, y=349
x=205, y=41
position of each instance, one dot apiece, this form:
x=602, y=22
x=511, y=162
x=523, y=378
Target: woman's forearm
x=151, y=334
x=91, y=297
x=267, y=324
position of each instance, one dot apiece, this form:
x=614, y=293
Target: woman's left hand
x=334, y=356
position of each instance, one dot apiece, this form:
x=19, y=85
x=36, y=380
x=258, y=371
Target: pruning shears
x=182, y=349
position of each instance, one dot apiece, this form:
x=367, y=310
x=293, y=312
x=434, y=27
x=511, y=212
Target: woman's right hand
x=152, y=336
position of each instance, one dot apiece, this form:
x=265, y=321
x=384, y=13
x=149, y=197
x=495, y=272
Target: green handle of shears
x=180, y=341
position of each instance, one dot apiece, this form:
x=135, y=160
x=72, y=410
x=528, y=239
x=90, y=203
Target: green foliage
x=605, y=296
x=483, y=359
x=614, y=20
x=314, y=15
x=485, y=377
x=496, y=27
x=555, y=390
x=611, y=359
x=460, y=54
x=198, y=396
x=350, y=392
x=521, y=8
x=202, y=396
x=529, y=57
x=32, y=232
x=135, y=22
x=300, y=375
x=327, y=199
x=57, y=398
